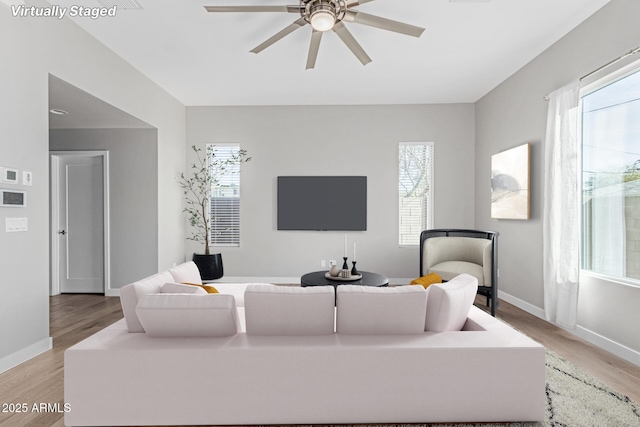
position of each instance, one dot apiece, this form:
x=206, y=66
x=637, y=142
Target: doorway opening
x=127, y=149
x=80, y=242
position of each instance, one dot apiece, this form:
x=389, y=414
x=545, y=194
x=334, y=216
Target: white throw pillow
x=366, y=310
x=182, y=315
x=132, y=293
x=288, y=310
x=449, y=303
x=179, y=288
x=186, y=273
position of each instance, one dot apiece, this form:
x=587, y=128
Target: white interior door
x=80, y=228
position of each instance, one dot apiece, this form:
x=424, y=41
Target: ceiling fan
x=325, y=15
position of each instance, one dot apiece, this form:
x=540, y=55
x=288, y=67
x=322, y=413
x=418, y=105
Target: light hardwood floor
x=75, y=317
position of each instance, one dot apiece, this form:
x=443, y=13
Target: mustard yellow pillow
x=427, y=280
x=209, y=289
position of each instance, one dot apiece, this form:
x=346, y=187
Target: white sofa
x=287, y=355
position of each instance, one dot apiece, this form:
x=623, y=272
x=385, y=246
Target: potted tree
x=205, y=177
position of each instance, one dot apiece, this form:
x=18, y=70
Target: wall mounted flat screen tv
x=322, y=203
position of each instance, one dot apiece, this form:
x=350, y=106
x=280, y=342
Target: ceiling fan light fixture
x=322, y=20
x=322, y=16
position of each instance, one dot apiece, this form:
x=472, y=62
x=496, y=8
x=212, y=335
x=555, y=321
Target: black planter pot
x=210, y=266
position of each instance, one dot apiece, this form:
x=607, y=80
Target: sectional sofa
x=267, y=354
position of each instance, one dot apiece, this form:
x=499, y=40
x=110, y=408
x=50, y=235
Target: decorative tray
x=343, y=279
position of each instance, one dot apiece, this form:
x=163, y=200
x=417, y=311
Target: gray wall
x=133, y=194
x=337, y=140
x=31, y=49
x=515, y=113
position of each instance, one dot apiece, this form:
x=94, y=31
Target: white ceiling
x=203, y=58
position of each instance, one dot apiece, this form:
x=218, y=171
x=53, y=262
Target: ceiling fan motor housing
x=325, y=8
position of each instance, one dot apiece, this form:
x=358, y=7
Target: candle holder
x=345, y=266
x=354, y=270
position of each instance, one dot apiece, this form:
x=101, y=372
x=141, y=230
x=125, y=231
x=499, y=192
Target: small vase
x=335, y=270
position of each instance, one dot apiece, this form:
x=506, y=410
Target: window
x=415, y=191
x=611, y=176
x=224, y=161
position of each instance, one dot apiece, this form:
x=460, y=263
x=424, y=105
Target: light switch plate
x=27, y=178
x=13, y=225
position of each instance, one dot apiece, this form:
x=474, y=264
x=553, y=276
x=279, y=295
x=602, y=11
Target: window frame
x=234, y=240
x=430, y=172
x=590, y=84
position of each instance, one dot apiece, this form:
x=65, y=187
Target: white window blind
x=415, y=191
x=225, y=195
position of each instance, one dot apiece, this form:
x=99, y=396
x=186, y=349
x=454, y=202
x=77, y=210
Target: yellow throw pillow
x=209, y=289
x=427, y=280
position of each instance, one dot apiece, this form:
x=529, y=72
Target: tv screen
x=322, y=203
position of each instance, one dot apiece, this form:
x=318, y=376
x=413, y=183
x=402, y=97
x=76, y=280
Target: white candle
x=354, y=251
x=345, y=246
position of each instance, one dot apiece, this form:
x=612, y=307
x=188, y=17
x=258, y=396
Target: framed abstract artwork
x=510, y=184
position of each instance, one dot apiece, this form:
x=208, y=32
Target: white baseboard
x=521, y=304
x=112, y=292
x=611, y=346
x=605, y=343
x=21, y=356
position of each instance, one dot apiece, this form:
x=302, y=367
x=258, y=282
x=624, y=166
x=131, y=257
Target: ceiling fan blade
x=351, y=43
x=354, y=3
x=290, y=9
x=383, y=23
x=316, y=36
x=285, y=32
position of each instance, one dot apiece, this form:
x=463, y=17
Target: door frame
x=54, y=169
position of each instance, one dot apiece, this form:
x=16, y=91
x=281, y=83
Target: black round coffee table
x=317, y=278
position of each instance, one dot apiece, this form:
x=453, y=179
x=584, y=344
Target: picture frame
x=510, y=182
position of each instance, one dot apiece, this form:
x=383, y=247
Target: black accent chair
x=450, y=252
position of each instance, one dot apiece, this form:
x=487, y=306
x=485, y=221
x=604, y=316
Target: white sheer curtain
x=561, y=218
x=605, y=136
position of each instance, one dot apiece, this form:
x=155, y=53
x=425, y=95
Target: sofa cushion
x=235, y=289
x=183, y=315
x=186, y=273
x=448, y=304
x=367, y=310
x=181, y=288
x=132, y=293
x=288, y=310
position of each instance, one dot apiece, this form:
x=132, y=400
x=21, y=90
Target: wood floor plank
x=614, y=371
x=75, y=317
x=41, y=379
